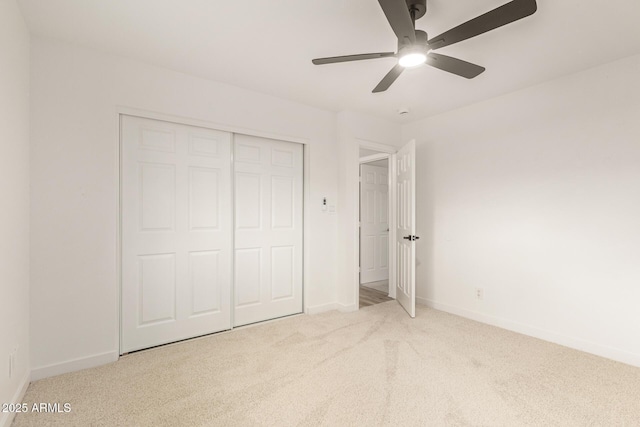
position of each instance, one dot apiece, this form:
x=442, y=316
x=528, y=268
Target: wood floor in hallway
x=370, y=296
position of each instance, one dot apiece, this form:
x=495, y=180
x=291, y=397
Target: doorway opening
x=401, y=236
x=374, y=225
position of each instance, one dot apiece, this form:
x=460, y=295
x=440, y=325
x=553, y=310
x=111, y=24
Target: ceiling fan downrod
x=417, y=9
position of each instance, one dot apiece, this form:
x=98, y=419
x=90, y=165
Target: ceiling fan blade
x=347, y=58
x=389, y=79
x=453, y=65
x=503, y=15
x=397, y=14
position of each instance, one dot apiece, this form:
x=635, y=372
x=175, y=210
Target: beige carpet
x=372, y=367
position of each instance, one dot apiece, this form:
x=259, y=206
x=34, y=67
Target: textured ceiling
x=267, y=45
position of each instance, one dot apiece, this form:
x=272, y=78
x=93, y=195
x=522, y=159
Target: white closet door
x=374, y=223
x=268, y=229
x=176, y=232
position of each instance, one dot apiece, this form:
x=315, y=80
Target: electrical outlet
x=479, y=293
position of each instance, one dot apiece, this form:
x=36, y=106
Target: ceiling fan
x=415, y=48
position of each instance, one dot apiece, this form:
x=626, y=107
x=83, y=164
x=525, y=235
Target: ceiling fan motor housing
x=421, y=40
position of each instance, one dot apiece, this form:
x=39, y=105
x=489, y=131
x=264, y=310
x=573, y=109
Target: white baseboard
x=347, y=308
x=321, y=308
x=344, y=308
x=571, y=342
x=7, y=418
x=73, y=365
x=423, y=301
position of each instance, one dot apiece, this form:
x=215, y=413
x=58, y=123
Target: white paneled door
x=405, y=251
x=202, y=252
x=176, y=232
x=374, y=223
x=268, y=229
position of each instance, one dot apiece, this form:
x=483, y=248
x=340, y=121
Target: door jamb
x=374, y=157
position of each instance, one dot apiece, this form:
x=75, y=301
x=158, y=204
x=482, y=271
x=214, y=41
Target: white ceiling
x=267, y=45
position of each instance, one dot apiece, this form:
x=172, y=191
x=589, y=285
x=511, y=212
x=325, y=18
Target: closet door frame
x=127, y=111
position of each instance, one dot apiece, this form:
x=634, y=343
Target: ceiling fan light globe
x=412, y=59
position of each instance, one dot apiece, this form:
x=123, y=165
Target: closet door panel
x=176, y=232
x=268, y=229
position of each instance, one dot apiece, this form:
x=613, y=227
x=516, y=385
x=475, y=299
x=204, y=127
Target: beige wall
x=76, y=96
x=535, y=198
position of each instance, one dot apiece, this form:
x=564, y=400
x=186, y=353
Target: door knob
x=411, y=237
